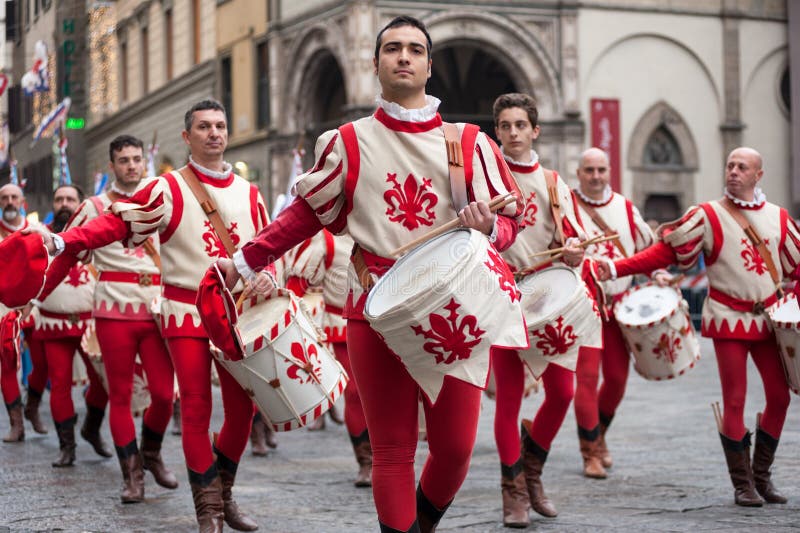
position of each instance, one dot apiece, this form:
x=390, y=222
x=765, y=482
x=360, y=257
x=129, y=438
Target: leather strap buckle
x=145, y=280
x=759, y=307
x=73, y=318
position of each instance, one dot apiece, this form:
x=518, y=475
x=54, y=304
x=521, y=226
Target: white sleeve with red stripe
x=149, y=209
x=307, y=260
x=790, y=246
x=687, y=237
x=644, y=235
x=323, y=186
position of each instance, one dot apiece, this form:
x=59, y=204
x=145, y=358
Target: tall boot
x=32, y=411
x=428, y=515
x=737, y=455
x=258, y=437
x=763, y=455
x=363, y=450
x=234, y=517
x=516, y=501
x=16, y=431
x=602, y=448
x=386, y=529
x=152, y=461
x=533, y=459
x=90, y=430
x=130, y=462
x=207, y=496
x=176, y=417
x=269, y=433
x=66, y=442
x=590, y=451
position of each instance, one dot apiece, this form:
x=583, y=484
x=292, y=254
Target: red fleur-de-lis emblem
x=77, y=276
x=505, y=277
x=137, y=252
x=556, y=340
x=214, y=247
x=753, y=261
x=529, y=214
x=450, y=339
x=410, y=204
x=667, y=347
x=310, y=358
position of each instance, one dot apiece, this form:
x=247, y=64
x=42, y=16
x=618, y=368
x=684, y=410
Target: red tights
x=120, y=341
x=732, y=364
x=192, y=360
x=353, y=412
x=391, y=402
x=509, y=377
x=37, y=379
x=9, y=359
x=59, y=353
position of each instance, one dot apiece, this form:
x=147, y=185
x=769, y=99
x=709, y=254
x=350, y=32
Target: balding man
x=742, y=283
x=604, y=212
x=11, y=201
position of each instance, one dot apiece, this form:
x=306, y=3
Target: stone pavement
x=669, y=475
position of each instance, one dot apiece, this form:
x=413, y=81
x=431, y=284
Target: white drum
x=315, y=304
x=140, y=399
x=291, y=376
x=442, y=306
x=785, y=319
x=657, y=328
x=561, y=316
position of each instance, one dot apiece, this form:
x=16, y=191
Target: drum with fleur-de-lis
x=785, y=319
x=658, y=331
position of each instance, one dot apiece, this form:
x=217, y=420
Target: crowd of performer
x=122, y=280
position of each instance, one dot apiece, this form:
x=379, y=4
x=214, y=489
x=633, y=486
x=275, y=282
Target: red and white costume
x=738, y=280
x=165, y=205
x=621, y=216
x=384, y=179
x=538, y=231
x=129, y=280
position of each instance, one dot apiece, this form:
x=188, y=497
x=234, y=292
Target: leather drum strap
x=209, y=208
x=555, y=205
x=600, y=223
x=455, y=164
x=756, y=239
x=364, y=277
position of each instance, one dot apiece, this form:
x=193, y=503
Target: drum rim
x=578, y=290
x=773, y=308
x=655, y=322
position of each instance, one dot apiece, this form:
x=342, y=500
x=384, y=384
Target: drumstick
x=496, y=204
x=717, y=415
x=584, y=244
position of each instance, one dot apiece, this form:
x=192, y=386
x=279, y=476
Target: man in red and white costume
x=11, y=202
x=165, y=205
x=129, y=281
x=322, y=261
x=604, y=212
x=516, y=125
x=384, y=179
x=740, y=287
x=65, y=311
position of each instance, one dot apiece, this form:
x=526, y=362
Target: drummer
x=543, y=226
x=128, y=281
x=605, y=212
x=742, y=283
x=361, y=169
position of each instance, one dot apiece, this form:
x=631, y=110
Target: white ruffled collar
x=607, y=193
x=225, y=174
x=758, y=199
x=532, y=163
x=116, y=190
x=398, y=112
x=11, y=227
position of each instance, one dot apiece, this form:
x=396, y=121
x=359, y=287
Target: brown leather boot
x=90, y=430
x=516, y=501
x=66, y=442
x=590, y=451
x=602, y=448
x=763, y=455
x=152, y=461
x=16, y=431
x=32, y=411
x=533, y=459
x=176, y=417
x=258, y=437
x=207, y=495
x=130, y=463
x=363, y=451
x=234, y=516
x=737, y=455
x=269, y=433
x=428, y=515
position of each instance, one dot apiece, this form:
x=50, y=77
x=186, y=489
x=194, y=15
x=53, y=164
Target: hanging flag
x=3, y=83
x=50, y=123
x=66, y=177
x=100, y=182
x=284, y=200
x=35, y=80
x=3, y=144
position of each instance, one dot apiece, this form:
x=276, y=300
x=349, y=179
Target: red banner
x=605, y=135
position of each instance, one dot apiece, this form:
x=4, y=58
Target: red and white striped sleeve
x=644, y=235
x=789, y=250
x=322, y=187
x=145, y=212
x=687, y=236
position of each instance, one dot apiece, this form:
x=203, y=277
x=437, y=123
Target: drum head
x=419, y=271
x=547, y=291
x=788, y=312
x=647, y=305
x=257, y=320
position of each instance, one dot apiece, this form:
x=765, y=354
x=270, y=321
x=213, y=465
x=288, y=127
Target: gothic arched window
x=662, y=150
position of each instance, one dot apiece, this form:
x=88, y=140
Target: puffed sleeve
x=307, y=260
x=145, y=212
x=644, y=235
x=790, y=246
x=322, y=187
x=687, y=237
x=499, y=179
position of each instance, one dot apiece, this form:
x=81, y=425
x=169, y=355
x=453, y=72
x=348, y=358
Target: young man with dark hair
x=356, y=172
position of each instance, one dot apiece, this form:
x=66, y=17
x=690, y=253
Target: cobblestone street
x=669, y=475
